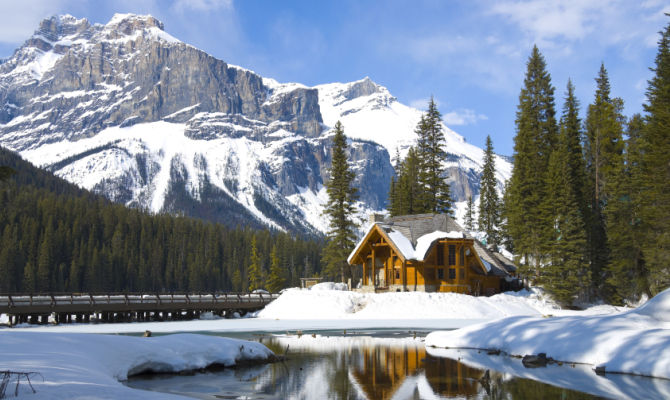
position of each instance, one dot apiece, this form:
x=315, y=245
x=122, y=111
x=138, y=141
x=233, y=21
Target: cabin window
x=440, y=254
x=397, y=274
x=461, y=273
x=462, y=257
x=452, y=273
x=452, y=254
x=440, y=273
x=395, y=260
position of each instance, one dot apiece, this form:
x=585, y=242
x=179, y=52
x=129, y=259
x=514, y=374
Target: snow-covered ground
x=329, y=306
x=635, y=342
x=337, y=304
x=83, y=366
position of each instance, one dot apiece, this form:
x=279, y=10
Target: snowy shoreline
x=78, y=366
x=636, y=342
x=327, y=306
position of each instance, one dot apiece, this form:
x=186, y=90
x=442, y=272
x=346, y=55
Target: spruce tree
x=277, y=277
x=29, y=278
x=255, y=270
x=655, y=193
x=489, y=204
x=339, y=210
x=604, y=156
x=571, y=129
x=627, y=274
x=469, y=218
x=408, y=189
x=567, y=275
x=5, y=173
x=536, y=137
x=435, y=191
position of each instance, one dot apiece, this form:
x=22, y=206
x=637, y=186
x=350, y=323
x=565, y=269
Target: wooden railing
x=79, y=303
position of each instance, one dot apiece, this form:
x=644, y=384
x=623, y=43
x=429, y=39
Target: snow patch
x=78, y=365
x=635, y=342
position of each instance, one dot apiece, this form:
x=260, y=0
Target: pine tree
x=29, y=278
x=536, y=137
x=339, y=209
x=567, y=275
x=489, y=204
x=469, y=218
x=5, y=173
x=255, y=270
x=277, y=277
x=435, y=191
x=571, y=129
x=627, y=274
x=407, y=188
x=655, y=193
x=604, y=156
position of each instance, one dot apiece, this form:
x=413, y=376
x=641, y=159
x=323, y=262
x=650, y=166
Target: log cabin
x=430, y=253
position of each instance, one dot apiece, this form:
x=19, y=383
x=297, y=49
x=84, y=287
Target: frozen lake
x=392, y=364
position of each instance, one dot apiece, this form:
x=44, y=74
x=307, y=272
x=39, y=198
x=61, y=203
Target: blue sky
x=470, y=54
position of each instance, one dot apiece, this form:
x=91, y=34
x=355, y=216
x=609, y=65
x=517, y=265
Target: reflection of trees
x=309, y=376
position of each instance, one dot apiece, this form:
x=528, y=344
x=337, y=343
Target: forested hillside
x=57, y=237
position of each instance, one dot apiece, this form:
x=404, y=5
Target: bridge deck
x=92, y=303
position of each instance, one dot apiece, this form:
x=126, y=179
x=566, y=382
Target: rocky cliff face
x=129, y=111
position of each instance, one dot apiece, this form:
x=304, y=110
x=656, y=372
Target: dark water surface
x=388, y=364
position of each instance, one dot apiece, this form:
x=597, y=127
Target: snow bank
x=332, y=304
x=76, y=366
x=636, y=342
x=330, y=286
x=575, y=377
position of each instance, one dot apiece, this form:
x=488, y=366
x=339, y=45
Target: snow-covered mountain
x=129, y=111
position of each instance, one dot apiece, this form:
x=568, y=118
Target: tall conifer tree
x=604, y=156
x=655, y=194
x=489, y=203
x=536, y=136
x=255, y=270
x=567, y=275
x=407, y=188
x=435, y=191
x=627, y=274
x=277, y=277
x=339, y=209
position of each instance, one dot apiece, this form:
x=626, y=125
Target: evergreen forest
x=58, y=238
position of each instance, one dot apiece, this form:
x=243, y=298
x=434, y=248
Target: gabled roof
x=413, y=235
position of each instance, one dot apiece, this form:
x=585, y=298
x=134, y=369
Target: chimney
x=375, y=218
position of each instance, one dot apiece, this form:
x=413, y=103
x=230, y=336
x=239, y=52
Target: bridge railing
x=15, y=303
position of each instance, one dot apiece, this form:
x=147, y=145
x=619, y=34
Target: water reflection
x=355, y=367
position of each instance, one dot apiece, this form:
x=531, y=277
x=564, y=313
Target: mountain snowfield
x=128, y=111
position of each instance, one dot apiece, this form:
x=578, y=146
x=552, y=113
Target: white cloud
x=201, y=5
x=555, y=24
x=19, y=19
x=462, y=116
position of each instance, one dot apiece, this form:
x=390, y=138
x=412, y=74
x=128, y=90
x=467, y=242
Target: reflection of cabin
x=388, y=372
x=384, y=369
x=431, y=253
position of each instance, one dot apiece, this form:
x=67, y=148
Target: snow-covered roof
x=413, y=236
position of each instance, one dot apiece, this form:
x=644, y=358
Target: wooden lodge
x=431, y=253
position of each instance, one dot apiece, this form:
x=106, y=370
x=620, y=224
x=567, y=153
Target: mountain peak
x=128, y=23
x=58, y=26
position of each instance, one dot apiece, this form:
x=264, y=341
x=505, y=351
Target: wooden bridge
x=65, y=308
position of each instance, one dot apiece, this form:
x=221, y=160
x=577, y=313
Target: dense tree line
x=420, y=182
x=57, y=237
x=587, y=209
